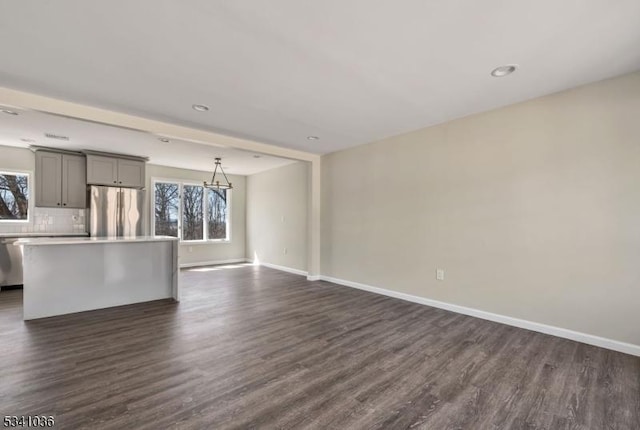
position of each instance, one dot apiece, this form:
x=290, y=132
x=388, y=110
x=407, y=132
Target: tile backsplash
x=49, y=220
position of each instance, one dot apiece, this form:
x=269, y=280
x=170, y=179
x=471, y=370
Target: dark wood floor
x=254, y=347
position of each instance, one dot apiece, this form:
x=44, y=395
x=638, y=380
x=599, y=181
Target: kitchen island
x=67, y=275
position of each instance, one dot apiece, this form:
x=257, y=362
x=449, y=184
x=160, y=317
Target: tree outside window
x=14, y=197
x=167, y=208
x=217, y=214
x=192, y=212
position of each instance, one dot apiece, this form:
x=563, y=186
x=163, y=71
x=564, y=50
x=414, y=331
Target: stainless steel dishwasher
x=10, y=262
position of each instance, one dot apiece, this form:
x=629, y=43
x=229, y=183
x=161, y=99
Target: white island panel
x=73, y=276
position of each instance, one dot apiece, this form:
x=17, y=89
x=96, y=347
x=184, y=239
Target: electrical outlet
x=282, y=218
x=191, y=249
x=440, y=274
x=284, y=251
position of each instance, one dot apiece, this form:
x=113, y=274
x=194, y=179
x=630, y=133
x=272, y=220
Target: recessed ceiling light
x=9, y=112
x=313, y=137
x=501, y=71
x=163, y=139
x=200, y=108
x=24, y=139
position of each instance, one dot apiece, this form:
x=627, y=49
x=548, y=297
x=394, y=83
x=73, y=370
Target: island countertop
x=37, y=241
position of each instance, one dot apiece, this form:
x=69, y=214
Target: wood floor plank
x=252, y=347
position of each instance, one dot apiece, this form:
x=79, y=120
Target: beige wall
x=17, y=158
x=532, y=210
x=277, y=212
x=191, y=253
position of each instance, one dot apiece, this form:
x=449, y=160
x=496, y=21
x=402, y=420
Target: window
x=167, y=208
x=14, y=196
x=190, y=211
x=217, y=214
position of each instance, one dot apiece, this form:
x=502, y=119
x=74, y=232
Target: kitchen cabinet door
x=131, y=173
x=102, y=170
x=74, y=181
x=48, y=179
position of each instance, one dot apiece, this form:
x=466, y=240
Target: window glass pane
x=217, y=216
x=167, y=198
x=192, y=213
x=14, y=196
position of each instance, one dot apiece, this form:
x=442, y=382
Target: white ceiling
x=85, y=135
x=348, y=71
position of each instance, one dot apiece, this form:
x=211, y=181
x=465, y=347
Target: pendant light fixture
x=215, y=183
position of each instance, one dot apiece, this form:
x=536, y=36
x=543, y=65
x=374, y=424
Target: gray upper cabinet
x=48, y=179
x=102, y=170
x=60, y=180
x=74, y=181
x=113, y=171
x=131, y=173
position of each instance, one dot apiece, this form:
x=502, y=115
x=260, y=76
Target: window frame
x=30, y=197
x=205, y=207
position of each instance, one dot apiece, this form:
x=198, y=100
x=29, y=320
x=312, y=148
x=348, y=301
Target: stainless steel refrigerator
x=115, y=211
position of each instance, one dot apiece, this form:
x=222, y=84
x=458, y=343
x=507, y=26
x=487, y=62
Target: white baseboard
x=602, y=342
x=313, y=277
x=212, y=262
x=283, y=268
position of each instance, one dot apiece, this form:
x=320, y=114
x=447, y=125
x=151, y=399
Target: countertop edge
x=47, y=241
x=40, y=235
